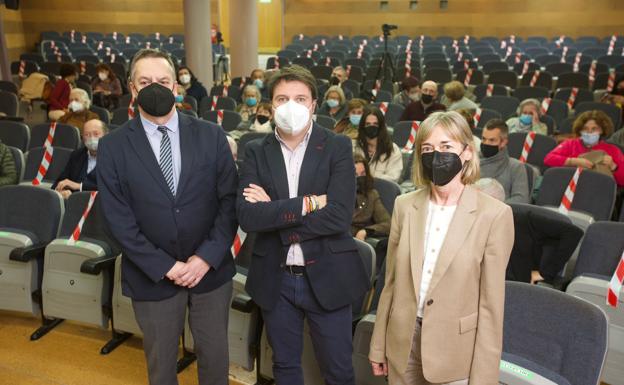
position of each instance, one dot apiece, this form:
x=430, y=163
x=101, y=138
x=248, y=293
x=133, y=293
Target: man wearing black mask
x=167, y=185
x=496, y=163
x=419, y=110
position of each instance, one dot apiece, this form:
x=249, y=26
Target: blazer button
x=430, y=302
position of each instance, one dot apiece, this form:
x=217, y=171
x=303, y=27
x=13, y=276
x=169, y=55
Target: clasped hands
x=255, y=194
x=188, y=274
x=66, y=186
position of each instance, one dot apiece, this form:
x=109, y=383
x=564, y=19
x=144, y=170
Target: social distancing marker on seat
x=525, y=67
x=577, y=62
x=545, y=105
x=518, y=57
x=489, y=90
x=219, y=117
x=568, y=195
x=564, y=52
x=592, y=73
x=611, y=80
x=615, y=285
x=409, y=146
x=383, y=107
x=75, y=235
x=22, y=69
x=48, y=153
x=527, y=146
x=225, y=90
x=468, y=77
x=572, y=98
x=477, y=116
x=535, y=78
x=239, y=239
x=213, y=104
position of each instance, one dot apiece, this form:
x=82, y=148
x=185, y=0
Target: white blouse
x=438, y=221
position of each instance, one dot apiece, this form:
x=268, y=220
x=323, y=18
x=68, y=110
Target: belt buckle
x=290, y=269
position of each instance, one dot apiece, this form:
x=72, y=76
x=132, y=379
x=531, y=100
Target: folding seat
x=232, y=92
x=33, y=57
x=599, y=255
x=222, y=103
x=571, y=51
x=65, y=136
x=491, y=62
x=484, y=51
x=557, y=69
x=120, y=116
x=595, y=52
x=458, y=66
x=476, y=78
x=8, y=86
x=388, y=192
x=393, y=113
x=550, y=123
x=20, y=161
x=503, y=77
x=14, y=134
x=435, y=64
x=551, y=338
x=322, y=72
x=544, y=60
x=611, y=60
x=519, y=67
x=505, y=105
x=544, y=79
x=612, y=111
x=34, y=156
x=304, y=62
x=330, y=61
x=558, y=110
x=594, y=195
x=527, y=92
x=76, y=275
x=352, y=85
x=438, y=75
x=8, y=103
x=602, y=79
x=325, y=121
x=29, y=67
x=30, y=218
x=245, y=139
x=535, y=52
x=573, y=79
x=565, y=127
x=231, y=119
x=102, y=113
x=386, y=85
x=487, y=114
x=480, y=91
x=583, y=95
x=542, y=145
x=401, y=132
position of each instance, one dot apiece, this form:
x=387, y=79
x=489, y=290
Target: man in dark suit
x=167, y=185
x=298, y=193
x=80, y=173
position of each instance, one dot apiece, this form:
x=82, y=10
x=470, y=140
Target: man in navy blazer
x=167, y=185
x=297, y=192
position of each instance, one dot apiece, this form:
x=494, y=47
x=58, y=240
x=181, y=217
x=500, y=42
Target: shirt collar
x=150, y=127
x=306, y=138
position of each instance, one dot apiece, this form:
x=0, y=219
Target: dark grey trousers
x=162, y=323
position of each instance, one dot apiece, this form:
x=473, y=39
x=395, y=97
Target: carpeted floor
x=70, y=355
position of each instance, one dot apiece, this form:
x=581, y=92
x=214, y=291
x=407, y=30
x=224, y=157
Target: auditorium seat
x=491, y=66
x=504, y=77
x=583, y=95
x=438, y=75
x=231, y=119
x=505, y=105
x=388, y=192
x=573, y=79
x=393, y=114
x=30, y=218
x=480, y=91
x=15, y=134
x=614, y=112
x=527, y=92
x=120, y=115
x=476, y=78
x=19, y=160
x=519, y=67
x=551, y=338
x=65, y=136
x=542, y=145
x=245, y=139
x=60, y=157
x=401, y=132
x=8, y=103
x=487, y=114
x=232, y=92
x=559, y=68
x=322, y=72
x=223, y=103
x=325, y=121
x=611, y=60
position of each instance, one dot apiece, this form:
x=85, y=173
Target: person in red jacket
x=59, y=97
x=591, y=128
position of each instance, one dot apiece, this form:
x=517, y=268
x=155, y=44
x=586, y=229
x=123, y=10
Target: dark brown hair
x=106, y=67
x=601, y=119
x=370, y=181
x=294, y=73
x=384, y=141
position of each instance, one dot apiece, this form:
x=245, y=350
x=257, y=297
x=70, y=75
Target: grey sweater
x=510, y=173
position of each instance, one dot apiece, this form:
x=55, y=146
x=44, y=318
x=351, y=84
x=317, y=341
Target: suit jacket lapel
x=84, y=164
x=187, y=151
x=418, y=221
x=311, y=160
x=461, y=224
x=138, y=140
x=275, y=162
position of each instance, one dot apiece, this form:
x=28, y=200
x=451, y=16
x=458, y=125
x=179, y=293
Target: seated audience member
x=376, y=146
x=616, y=97
x=496, y=163
x=106, y=87
x=8, y=173
x=530, y=260
x=491, y=187
x=421, y=109
x=370, y=218
x=455, y=97
x=528, y=119
x=59, y=97
x=588, y=149
x=78, y=113
x=338, y=76
x=179, y=99
x=247, y=109
x=350, y=123
x=469, y=116
x=262, y=120
x=79, y=173
x=192, y=86
x=260, y=79
x=410, y=92
x=335, y=104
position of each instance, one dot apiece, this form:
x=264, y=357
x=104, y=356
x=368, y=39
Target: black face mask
x=334, y=81
x=488, y=150
x=371, y=132
x=427, y=99
x=361, y=184
x=262, y=119
x=441, y=167
x=156, y=100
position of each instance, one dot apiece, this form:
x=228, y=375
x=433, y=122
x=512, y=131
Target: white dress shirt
x=154, y=136
x=438, y=221
x=91, y=163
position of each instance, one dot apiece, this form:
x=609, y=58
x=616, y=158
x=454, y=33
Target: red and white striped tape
x=131, y=108
x=239, y=239
x=22, y=69
x=115, y=35
x=477, y=116
x=408, y=46
x=503, y=44
x=170, y=39
x=615, y=285
x=518, y=57
x=535, y=77
x=577, y=61
x=340, y=37
x=560, y=41
x=309, y=54
x=83, y=67
x=468, y=77
x=383, y=107
x=47, y=155
x=466, y=64
x=276, y=63
x=225, y=90
x=546, y=105
x=300, y=36
x=219, y=117
x=213, y=104
x=84, y=39
x=315, y=48
x=157, y=34
x=611, y=80
x=148, y=44
x=509, y=52
x=323, y=42
x=466, y=39
x=564, y=52
x=421, y=42
x=348, y=70
x=408, y=70
x=75, y=235
x=611, y=45
x=489, y=90
x=100, y=46
x=572, y=98
x=568, y=195
x=525, y=67
x=592, y=73
x=512, y=39
x=59, y=57
x=460, y=56
x=527, y=146
x=112, y=57
x=72, y=34
x=128, y=40
x=409, y=145
x=328, y=61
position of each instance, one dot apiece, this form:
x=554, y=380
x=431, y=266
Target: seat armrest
x=243, y=303
x=27, y=253
x=94, y=266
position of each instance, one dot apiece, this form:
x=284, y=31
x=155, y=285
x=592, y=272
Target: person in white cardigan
x=376, y=145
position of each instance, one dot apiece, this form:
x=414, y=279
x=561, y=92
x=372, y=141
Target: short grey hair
x=83, y=95
x=255, y=90
x=491, y=187
x=152, y=53
x=530, y=102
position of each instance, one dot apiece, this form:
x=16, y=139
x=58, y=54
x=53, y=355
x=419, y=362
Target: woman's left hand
x=607, y=160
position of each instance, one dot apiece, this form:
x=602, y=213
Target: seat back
x=505, y=105
x=60, y=157
x=401, y=132
x=527, y=92
x=584, y=95
x=8, y=86
x=388, y=192
x=8, y=103
x=393, y=113
x=15, y=134
x=476, y=77
x=594, y=195
x=120, y=116
x=542, y=145
x=245, y=139
x=487, y=115
x=543, y=80
x=102, y=113
x=557, y=334
x=558, y=110
x=20, y=161
x=573, y=79
x=325, y=121
x=231, y=119
x=601, y=249
x=480, y=91
x=66, y=136
x=614, y=112
x=367, y=255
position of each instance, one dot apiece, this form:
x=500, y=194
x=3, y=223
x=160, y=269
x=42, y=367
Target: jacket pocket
x=342, y=245
x=468, y=323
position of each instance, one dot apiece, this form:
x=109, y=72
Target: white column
x=244, y=37
x=197, y=42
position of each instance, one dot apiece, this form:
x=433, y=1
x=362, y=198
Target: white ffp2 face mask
x=292, y=117
x=76, y=106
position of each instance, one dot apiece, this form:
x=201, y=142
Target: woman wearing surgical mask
x=528, y=118
x=247, y=109
x=180, y=103
x=335, y=103
x=79, y=113
x=589, y=149
x=410, y=92
x=106, y=87
x=376, y=145
x=440, y=314
x=350, y=123
x=191, y=85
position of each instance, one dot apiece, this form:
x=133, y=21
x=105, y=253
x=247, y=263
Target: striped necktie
x=166, y=158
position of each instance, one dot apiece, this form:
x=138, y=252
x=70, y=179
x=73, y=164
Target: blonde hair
x=337, y=90
x=255, y=90
x=454, y=90
x=455, y=125
x=83, y=96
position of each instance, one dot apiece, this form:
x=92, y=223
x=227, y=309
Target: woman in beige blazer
x=440, y=316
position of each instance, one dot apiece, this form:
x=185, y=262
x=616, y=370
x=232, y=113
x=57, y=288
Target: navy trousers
x=330, y=332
